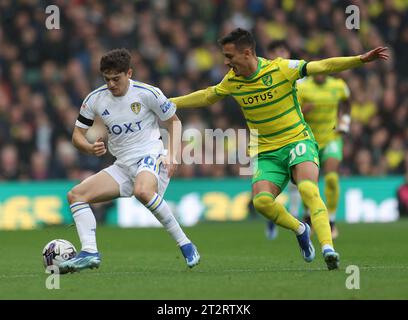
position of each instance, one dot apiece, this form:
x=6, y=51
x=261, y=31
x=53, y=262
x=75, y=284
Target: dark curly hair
x=240, y=37
x=117, y=60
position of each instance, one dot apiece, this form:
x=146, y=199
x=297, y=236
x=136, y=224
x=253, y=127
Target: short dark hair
x=240, y=37
x=278, y=44
x=117, y=60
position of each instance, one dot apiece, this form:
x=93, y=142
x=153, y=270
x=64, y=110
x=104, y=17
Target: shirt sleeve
x=292, y=69
x=160, y=105
x=86, y=113
x=222, y=89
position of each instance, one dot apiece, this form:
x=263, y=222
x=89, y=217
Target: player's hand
x=377, y=53
x=170, y=164
x=98, y=148
x=344, y=124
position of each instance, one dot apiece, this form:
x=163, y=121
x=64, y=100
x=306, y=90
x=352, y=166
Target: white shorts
x=125, y=176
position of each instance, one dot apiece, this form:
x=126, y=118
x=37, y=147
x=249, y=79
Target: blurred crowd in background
x=46, y=74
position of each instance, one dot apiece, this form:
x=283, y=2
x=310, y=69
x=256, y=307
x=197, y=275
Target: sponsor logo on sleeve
x=166, y=106
x=293, y=64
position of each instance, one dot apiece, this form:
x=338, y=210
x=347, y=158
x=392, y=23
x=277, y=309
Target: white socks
x=161, y=210
x=301, y=229
x=86, y=225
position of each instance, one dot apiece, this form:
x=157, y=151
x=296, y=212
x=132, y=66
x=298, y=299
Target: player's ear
x=129, y=73
x=248, y=52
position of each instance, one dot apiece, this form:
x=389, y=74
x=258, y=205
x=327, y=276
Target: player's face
x=238, y=60
x=279, y=52
x=118, y=83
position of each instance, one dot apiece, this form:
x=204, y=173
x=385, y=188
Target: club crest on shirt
x=136, y=106
x=267, y=80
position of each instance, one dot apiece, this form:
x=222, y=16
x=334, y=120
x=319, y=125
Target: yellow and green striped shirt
x=269, y=103
x=325, y=98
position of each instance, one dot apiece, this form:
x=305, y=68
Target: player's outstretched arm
x=200, y=98
x=339, y=64
x=81, y=143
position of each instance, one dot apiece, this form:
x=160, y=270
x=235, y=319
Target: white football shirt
x=131, y=120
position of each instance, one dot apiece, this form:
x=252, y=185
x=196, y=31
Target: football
x=57, y=251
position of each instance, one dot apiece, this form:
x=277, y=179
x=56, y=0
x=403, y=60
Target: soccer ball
x=57, y=251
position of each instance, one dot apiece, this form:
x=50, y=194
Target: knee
x=143, y=194
x=332, y=180
x=308, y=190
x=74, y=195
x=263, y=202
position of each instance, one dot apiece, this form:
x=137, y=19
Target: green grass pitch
x=237, y=263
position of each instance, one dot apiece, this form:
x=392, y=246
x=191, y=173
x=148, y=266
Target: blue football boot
x=306, y=245
x=191, y=254
x=84, y=260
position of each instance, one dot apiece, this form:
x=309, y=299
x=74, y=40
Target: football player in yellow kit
x=326, y=108
x=325, y=104
x=281, y=142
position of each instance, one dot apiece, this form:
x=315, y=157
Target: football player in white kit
x=130, y=111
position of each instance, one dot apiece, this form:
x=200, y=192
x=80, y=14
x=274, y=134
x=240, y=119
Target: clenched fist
x=98, y=147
